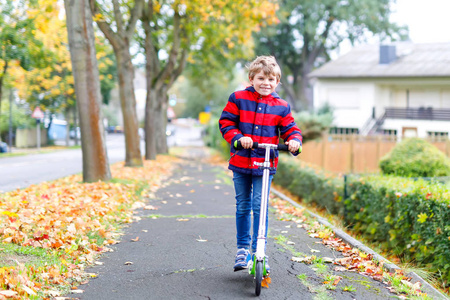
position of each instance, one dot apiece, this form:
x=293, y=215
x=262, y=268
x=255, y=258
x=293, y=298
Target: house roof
x=413, y=60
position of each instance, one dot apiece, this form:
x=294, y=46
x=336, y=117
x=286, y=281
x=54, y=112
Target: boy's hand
x=246, y=142
x=293, y=146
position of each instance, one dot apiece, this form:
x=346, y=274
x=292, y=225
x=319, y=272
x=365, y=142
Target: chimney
x=387, y=54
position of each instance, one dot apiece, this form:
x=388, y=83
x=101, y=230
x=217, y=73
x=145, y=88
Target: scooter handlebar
x=238, y=146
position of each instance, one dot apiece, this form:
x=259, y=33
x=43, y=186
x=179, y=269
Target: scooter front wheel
x=258, y=277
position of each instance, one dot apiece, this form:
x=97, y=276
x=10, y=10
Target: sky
x=428, y=20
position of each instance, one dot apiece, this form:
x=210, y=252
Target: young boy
x=256, y=114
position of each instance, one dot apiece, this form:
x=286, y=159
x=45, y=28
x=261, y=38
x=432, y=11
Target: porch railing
x=421, y=113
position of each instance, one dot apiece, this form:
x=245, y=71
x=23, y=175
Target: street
x=22, y=171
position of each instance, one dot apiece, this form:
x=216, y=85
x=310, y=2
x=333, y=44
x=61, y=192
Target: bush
x=213, y=138
x=311, y=185
x=406, y=217
x=415, y=157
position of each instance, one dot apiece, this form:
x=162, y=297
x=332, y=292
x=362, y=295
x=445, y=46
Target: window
x=437, y=136
x=389, y=132
x=342, y=130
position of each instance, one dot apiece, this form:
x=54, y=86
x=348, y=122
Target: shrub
x=406, y=217
x=213, y=138
x=311, y=185
x=415, y=157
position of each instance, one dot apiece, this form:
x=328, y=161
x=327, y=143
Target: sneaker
x=243, y=259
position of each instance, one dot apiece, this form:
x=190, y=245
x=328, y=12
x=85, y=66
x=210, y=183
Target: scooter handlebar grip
x=238, y=146
x=283, y=147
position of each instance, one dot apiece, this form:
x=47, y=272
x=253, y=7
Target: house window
x=389, y=132
x=437, y=135
x=343, y=130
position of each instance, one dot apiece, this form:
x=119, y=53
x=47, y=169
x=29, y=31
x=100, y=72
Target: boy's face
x=264, y=84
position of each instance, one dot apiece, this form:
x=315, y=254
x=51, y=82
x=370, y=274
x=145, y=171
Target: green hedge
x=313, y=186
x=213, y=138
x=409, y=218
x=406, y=217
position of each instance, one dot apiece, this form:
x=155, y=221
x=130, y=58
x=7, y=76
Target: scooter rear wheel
x=258, y=277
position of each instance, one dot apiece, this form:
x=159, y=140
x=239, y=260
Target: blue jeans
x=248, y=198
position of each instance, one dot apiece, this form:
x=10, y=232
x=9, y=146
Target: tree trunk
x=155, y=123
x=87, y=90
x=161, y=123
x=150, y=116
x=125, y=72
x=119, y=37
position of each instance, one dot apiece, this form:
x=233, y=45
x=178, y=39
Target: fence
x=26, y=138
x=354, y=153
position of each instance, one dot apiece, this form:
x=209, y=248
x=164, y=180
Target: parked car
x=3, y=147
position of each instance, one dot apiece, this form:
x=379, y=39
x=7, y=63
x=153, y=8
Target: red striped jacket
x=264, y=119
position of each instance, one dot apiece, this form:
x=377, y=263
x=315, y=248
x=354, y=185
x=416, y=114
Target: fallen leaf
x=266, y=281
x=192, y=191
x=150, y=207
x=144, y=230
x=314, y=250
x=8, y=293
x=77, y=291
x=327, y=259
x=28, y=290
x=201, y=240
x=188, y=202
x=127, y=263
x=135, y=239
x=182, y=220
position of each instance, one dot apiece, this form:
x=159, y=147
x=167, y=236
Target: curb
x=426, y=287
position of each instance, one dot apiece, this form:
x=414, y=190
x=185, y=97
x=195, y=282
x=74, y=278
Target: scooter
x=258, y=267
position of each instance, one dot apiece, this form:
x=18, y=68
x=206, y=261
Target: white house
x=401, y=89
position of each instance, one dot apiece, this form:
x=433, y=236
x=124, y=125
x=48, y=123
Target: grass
x=20, y=152
x=12, y=254
x=200, y=216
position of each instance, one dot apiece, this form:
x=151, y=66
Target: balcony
x=421, y=113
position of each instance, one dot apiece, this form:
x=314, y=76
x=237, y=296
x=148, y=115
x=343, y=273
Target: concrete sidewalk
x=186, y=250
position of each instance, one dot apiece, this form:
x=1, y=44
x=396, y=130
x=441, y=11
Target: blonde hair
x=267, y=64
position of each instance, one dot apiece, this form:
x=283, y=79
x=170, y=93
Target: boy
x=256, y=114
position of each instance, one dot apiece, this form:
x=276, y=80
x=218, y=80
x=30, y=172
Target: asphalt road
x=22, y=171
x=186, y=250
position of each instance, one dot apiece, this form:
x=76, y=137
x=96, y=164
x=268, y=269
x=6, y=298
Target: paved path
x=186, y=250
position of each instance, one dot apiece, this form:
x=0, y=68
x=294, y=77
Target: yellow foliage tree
x=209, y=33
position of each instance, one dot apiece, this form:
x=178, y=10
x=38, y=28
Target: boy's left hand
x=293, y=146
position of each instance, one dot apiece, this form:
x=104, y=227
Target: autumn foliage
x=73, y=221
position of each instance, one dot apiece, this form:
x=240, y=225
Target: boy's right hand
x=246, y=142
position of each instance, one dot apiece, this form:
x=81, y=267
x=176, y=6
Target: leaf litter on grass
x=73, y=222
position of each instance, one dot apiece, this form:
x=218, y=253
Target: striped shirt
x=262, y=118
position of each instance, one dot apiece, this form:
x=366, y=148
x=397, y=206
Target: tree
x=118, y=26
x=17, y=41
x=195, y=31
x=310, y=29
x=87, y=88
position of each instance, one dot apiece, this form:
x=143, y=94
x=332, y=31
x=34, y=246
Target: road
x=22, y=171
